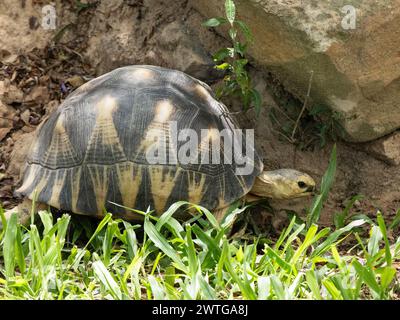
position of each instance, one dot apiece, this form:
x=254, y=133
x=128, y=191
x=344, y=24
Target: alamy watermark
x=211, y=146
x=350, y=18
x=49, y=17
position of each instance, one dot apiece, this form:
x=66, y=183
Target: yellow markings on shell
x=105, y=108
x=242, y=183
x=202, y=92
x=75, y=186
x=195, y=188
x=56, y=190
x=162, y=184
x=212, y=137
x=99, y=177
x=85, y=87
x=221, y=201
x=213, y=134
x=105, y=124
x=34, y=149
x=104, y=132
x=45, y=174
x=164, y=109
x=60, y=146
x=129, y=181
x=90, y=84
x=142, y=74
x=158, y=129
x=28, y=181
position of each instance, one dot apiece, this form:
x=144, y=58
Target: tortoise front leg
x=220, y=214
x=23, y=211
x=249, y=198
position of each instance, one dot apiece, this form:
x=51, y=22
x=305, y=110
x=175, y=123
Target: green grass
x=164, y=258
x=195, y=260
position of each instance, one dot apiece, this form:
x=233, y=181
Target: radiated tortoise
x=95, y=151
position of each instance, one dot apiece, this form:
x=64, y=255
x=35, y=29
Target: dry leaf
x=75, y=81
x=6, y=120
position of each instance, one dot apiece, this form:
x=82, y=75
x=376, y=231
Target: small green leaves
x=223, y=66
x=237, y=81
x=214, y=22
x=230, y=11
x=245, y=29
x=223, y=53
x=233, y=34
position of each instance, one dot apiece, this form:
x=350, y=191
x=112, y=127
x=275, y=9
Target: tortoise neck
x=263, y=185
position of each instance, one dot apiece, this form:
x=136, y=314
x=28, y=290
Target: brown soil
x=108, y=34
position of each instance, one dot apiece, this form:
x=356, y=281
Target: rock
x=386, y=149
x=22, y=144
x=6, y=120
x=7, y=57
x=122, y=35
x=21, y=20
x=177, y=45
x=112, y=40
x=356, y=71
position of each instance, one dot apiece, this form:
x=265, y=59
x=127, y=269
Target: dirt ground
x=99, y=36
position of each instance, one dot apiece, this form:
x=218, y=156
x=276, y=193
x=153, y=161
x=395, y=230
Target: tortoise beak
x=311, y=190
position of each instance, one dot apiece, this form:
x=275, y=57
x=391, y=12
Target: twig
x=283, y=135
x=238, y=112
x=304, y=105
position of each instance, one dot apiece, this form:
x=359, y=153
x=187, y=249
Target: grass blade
x=326, y=184
x=106, y=279
x=382, y=227
x=313, y=284
x=9, y=246
x=163, y=244
x=367, y=276
x=230, y=11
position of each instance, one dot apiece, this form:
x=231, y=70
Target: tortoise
x=92, y=153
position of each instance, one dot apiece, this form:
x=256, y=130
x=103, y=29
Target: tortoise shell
x=93, y=151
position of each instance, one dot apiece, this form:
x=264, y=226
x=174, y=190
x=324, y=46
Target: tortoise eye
x=301, y=184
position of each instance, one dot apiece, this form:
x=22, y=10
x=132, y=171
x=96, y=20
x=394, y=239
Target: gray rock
x=356, y=71
x=386, y=149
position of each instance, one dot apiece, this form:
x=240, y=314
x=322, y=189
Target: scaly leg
x=220, y=214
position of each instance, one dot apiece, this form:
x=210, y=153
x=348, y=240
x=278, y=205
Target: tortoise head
x=283, y=184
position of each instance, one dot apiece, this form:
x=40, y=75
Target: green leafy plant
x=197, y=259
x=326, y=123
x=340, y=218
x=306, y=126
x=326, y=184
x=233, y=59
x=175, y=260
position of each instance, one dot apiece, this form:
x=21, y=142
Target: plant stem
x=304, y=105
